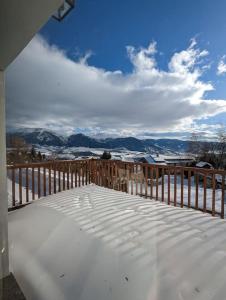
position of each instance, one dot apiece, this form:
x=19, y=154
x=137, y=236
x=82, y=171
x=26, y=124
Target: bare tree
x=194, y=146
x=220, y=152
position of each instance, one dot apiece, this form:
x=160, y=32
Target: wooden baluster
x=79, y=174
x=151, y=182
x=13, y=188
x=105, y=172
x=97, y=166
x=157, y=184
x=189, y=188
x=125, y=180
x=163, y=179
x=122, y=179
x=175, y=186
x=213, y=194
x=20, y=186
x=39, y=183
x=182, y=188
x=68, y=181
x=76, y=175
x=63, y=177
x=146, y=181
x=33, y=183
x=131, y=177
x=83, y=173
x=101, y=170
x=27, y=186
x=95, y=172
x=204, y=193
x=54, y=179
x=141, y=179
x=136, y=179
x=86, y=173
x=169, y=185
x=117, y=179
x=44, y=181
x=72, y=178
x=59, y=179
x=112, y=175
x=100, y=180
x=90, y=171
x=197, y=190
x=96, y=176
x=222, y=196
x=109, y=175
x=50, y=180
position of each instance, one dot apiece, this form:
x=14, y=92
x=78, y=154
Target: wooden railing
x=28, y=182
x=200, y=189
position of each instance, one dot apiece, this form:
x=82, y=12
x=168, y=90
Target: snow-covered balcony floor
x=93, y=243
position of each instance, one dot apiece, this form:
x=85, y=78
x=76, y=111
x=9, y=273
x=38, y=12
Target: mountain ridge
x=44, y=137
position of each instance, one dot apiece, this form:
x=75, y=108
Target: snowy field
x=94, y=243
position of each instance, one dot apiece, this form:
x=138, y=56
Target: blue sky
x=105, y=29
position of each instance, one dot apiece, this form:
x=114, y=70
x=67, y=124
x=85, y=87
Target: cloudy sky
x=138, y=68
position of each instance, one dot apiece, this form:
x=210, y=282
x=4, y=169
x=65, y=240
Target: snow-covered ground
x=78, y=152
x=94, y=243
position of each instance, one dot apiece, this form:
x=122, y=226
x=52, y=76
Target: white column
x=4, y=259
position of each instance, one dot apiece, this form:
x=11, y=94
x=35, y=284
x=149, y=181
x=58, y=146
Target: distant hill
x=48, y=138
x=38, y=137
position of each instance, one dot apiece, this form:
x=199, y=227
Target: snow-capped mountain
x=44, y=137
x=39, y=136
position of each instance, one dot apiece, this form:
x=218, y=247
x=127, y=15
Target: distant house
x=204, y=164
x=200, y=175
x=209, y=179
x=127, y=158
x=176, y=160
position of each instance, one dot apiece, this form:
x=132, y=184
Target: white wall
x=20, y=20
x=4, y=265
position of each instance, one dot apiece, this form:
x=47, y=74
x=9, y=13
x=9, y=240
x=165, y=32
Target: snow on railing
x=201, y=189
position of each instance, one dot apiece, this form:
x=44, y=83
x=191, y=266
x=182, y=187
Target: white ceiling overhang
x=20, y=20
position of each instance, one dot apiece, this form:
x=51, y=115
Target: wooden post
x=168, y=186
x=182, y=188
x=189, y=188
x=175, y=186
x=213, y=194
x=163, y=184
x=20, y=186
x=204, y=193
x=222, y=196
x=13, y=188
x=27, y=186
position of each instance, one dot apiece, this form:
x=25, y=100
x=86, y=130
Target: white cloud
x=47, y=89
x=221, y=68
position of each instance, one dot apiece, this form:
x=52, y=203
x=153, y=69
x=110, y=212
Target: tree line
x=213, y=152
